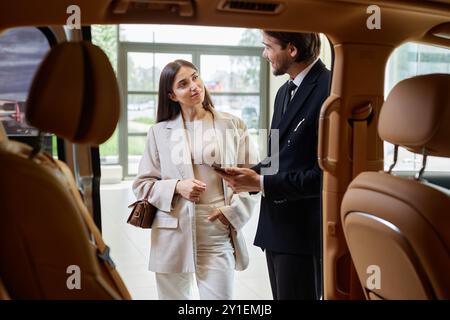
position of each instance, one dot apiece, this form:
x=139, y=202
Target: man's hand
x=217, y=214
x=190, y=189
x=241, y=179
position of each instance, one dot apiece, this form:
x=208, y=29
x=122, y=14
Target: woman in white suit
x=197, y=228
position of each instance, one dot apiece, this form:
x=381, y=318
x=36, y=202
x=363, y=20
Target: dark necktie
x=287, y=98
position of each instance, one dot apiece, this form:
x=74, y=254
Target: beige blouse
x=204, y=148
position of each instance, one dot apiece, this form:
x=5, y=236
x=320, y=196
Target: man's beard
x=282, y=69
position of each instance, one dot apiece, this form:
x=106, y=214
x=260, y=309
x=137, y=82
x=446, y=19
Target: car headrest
x=416, y=115
x=75, y=94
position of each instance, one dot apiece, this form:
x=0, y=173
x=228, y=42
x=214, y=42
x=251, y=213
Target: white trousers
x=214, y=263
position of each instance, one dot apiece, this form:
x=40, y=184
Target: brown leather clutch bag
x=142, y=214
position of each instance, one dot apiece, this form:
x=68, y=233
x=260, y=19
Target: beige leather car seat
x=3, y=136
x=397, y=228
x=47, y=236
x=3, y=293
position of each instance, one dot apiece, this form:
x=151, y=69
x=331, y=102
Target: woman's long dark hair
x=167, y=108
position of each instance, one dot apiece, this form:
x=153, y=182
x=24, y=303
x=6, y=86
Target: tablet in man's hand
x=218, y=167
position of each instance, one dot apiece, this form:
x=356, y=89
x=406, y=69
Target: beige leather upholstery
x=401, y=225
x=3, y=293
x=43, y=227
x=3, y=136
x=416, y=114
x=75, y=94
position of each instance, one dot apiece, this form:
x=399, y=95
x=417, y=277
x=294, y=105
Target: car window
x=21, y=52
x=406, y=61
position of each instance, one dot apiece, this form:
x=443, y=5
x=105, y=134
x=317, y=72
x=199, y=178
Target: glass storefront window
x=191, y=35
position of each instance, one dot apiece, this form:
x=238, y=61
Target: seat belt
x=359, y=119
x=101, y=248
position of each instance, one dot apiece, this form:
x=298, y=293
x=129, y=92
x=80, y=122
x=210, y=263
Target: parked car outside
x=12, y=116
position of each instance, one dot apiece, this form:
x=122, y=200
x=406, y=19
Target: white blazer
x=173, y=229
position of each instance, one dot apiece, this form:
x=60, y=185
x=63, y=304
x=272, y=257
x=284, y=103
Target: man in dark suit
x=290, y=222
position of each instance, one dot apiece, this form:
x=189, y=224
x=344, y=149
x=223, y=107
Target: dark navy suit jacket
x=290, y=215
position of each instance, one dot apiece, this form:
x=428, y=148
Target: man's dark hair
x=308, y=44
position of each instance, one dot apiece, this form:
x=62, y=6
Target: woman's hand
x=190, y=189
x=217, y=214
